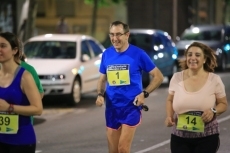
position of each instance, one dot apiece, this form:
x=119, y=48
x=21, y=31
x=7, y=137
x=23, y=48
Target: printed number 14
x=193, y=121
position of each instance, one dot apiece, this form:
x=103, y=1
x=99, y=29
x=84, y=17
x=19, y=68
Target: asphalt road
x=81, y=129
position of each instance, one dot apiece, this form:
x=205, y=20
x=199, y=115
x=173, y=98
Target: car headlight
x=227, y=47
x=53, y=77
x=174, y=56
x=218, y=51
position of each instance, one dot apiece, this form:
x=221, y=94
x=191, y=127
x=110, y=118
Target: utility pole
x=94, y=17
x=174, y=19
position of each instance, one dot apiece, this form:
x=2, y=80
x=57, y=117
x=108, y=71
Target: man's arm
x=101, y=90
x=101, y=84
x=157, y=79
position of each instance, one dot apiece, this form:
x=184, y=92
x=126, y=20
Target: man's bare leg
x=113, y=137
x=126, y=138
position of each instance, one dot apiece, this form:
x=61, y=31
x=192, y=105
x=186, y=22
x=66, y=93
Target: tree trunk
x=30, y=23
x=94, y=17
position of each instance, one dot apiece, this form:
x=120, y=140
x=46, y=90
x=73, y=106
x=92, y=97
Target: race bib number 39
x=190, y=121
x=8, y=124
x=118, y=74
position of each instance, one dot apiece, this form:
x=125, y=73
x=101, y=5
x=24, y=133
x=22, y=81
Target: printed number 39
x=5, y=120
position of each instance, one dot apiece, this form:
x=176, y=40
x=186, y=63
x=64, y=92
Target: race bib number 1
x=190, y=121
x=8, y=124
x=118, y=75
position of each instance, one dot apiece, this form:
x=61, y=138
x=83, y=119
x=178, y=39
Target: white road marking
x=223, y=119
x=168, y=141
x=154, y=147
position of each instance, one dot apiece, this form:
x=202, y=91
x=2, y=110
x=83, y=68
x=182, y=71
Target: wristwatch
x=100, y=94
x=11, y=108
x=146, y=94
x=214, y=111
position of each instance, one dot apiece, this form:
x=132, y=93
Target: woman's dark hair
x=209, y=55
x=23, y=57
x=14, y=43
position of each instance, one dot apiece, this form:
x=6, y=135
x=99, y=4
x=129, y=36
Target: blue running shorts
x=115, y=117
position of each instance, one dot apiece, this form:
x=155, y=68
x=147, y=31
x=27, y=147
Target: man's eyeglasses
x=116, y=34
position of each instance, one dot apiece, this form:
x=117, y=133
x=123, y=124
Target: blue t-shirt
x=13, y=94
x=135, y=60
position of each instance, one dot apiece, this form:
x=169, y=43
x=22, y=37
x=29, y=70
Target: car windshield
x=143, y=41
x=50, y=49
x=201, y=35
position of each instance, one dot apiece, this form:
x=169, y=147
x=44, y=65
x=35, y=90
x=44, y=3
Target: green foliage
x=103, y=3
x=227, y=1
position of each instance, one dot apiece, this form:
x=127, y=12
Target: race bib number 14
x=190, y=121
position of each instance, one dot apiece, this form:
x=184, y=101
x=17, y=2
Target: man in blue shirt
x=120, y=84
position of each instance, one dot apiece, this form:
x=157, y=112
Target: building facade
x=172, y=16
x=78, y=16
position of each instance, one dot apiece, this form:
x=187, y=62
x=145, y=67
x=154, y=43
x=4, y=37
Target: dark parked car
x=215, y=36
x=159, y=46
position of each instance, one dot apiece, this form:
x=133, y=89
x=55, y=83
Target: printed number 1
x=117, y=75
x=193, y=121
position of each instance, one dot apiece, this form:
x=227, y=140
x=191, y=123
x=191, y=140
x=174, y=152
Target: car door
x=86, y=66
x=97, y=50
x=90, y=57
x=162, y=54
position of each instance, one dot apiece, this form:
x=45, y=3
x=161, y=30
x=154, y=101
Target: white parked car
x=67, y=64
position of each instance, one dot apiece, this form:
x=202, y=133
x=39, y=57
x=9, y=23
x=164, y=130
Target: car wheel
x=75, y=95
x=174, y=70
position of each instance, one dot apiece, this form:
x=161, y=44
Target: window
x=203, y=35
x=144, y=41
x=85, y=51
x=96, y=49
x=50, y=50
